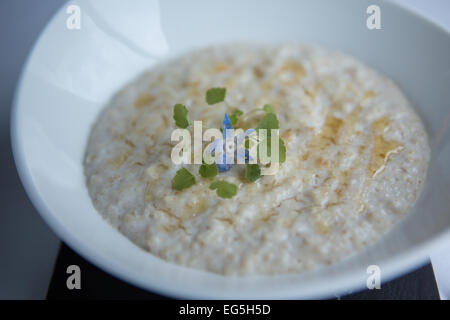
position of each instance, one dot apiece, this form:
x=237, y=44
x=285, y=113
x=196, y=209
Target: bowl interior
x=71, y=74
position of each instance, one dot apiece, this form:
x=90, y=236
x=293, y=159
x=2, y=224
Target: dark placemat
x=96, y=284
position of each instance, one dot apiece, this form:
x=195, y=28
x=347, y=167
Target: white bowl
x=71, y=74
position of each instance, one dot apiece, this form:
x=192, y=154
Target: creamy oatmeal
x=357, y=156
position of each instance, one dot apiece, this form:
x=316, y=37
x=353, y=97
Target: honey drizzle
x=383, y=149
x=339, y=131
x=144, y=100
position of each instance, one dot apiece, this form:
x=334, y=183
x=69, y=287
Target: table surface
x=98, y=285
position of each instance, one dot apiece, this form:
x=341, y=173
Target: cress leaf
x=180, y=116
x=235, y=115
x=215, y=95
x=208, y=170
x=183, y=179
x=224, y=189
x=252, y=172
x=268, y=109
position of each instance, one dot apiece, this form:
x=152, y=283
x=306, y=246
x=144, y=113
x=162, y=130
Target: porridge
x=356, y=159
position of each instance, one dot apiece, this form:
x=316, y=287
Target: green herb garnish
x=183, y=179
x=247, y=143
x=208, y=170
x=282, y=155
x=215, y=95
x=268, y=122
x=252, y=172
x=234, y=117
x=224, y=189
x=268, y=108
x=281, y=148
x=180, y=116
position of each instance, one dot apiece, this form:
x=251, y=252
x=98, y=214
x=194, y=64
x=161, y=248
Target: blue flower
x=218, y=146
x=226, y=125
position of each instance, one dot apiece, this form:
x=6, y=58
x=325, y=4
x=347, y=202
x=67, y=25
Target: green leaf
x=180, y=116
x=282, y=155
x=224, y=189
x=215, y=95
x=247, y=144
x=281, y=148
x=183, y=179
x=208, y=170
x=268, y=122
x=268, y=108
x=252, y=172
x=235, y=115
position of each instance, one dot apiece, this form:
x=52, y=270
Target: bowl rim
x=396, y=265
